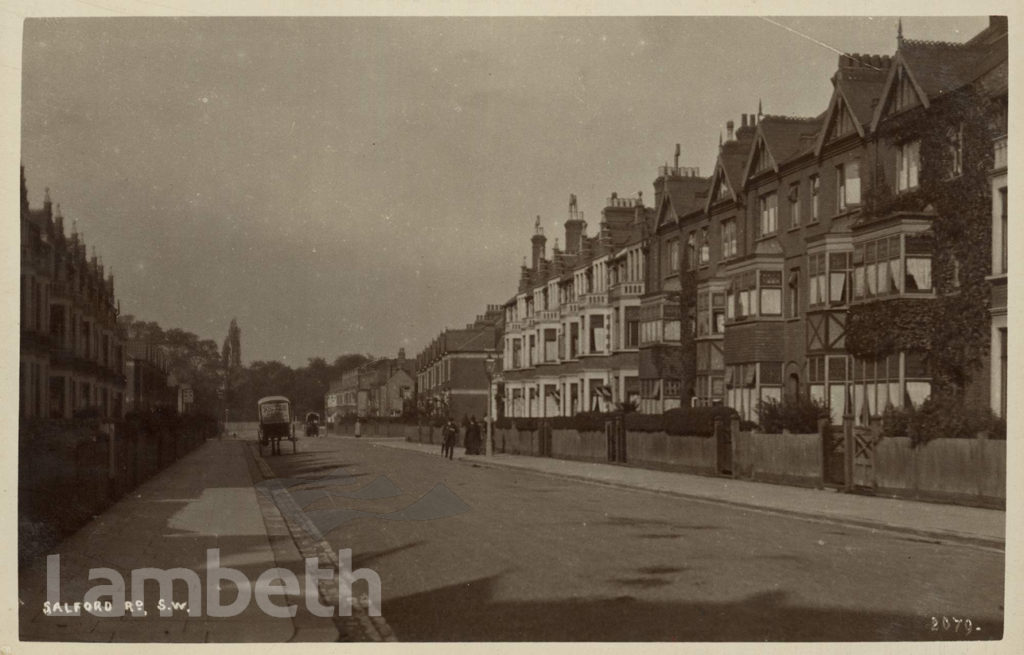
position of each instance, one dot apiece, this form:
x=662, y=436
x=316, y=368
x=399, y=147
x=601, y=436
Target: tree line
x=219, y=379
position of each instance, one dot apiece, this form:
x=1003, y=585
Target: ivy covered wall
x=953, y=328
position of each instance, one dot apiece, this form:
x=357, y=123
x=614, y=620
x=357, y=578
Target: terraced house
x=572, y=332
x=851, y=249
x=677, y=192
x=451, y=373
x=72, y=351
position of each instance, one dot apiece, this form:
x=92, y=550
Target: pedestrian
x=451, y=434
x=473, y=437
x=359, y=428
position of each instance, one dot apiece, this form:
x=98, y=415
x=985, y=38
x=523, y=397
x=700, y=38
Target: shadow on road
x=467, y=612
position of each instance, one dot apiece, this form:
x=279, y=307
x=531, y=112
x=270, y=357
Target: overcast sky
x=357, y=184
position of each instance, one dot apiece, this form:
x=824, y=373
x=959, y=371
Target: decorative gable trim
x=718, y=180
x=760, y=158
x=838, y=111
x=900, y=81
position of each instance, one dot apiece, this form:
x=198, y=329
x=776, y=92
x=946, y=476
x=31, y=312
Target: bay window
x=754, y=293
x=705, y=246
x=892, y=266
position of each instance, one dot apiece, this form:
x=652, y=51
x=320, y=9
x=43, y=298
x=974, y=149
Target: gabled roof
x=938, y=67
x=732, y=157
x=858, y=85
x=783, y=137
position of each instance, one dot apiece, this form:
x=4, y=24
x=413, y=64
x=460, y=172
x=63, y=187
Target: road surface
x=537, y=558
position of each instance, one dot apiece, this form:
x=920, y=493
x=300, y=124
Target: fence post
x=824, y=432
x=850, y=448
x=734, y=431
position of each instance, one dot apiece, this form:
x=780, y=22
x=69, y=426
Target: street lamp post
x=489, y=368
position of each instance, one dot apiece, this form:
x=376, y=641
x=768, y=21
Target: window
x=816, y=293
x=632, y=327
x=597, y=333
x=815, y=197
x=703, y=315
x=705, y=246
x=769, y=210
x=691, y=251
x=794, y=205
x=771, y=293
x=729, y=238
x=847, y=185
x=574, y=339
x=673, y=255
x=794, y=293
x=908, y=161
x=753, y=290
x=710, y=313
x=882, y=267
x=1003, y=252
x=550, y=345
x=876, y=268
x=877, y=383
x=838, y=278
x=717, y=313
x=955, y=135
x=840, y=188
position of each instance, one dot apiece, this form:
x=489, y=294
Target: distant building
x=451, y=375
x=72, y=354
x=573, y=330
x=147, y=374
x=382, y=387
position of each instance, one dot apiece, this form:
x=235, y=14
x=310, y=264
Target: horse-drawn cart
x=275, y=414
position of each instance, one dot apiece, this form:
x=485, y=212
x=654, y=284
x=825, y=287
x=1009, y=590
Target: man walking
x=450, y=432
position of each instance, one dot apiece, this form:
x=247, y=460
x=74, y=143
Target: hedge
x=687, y=421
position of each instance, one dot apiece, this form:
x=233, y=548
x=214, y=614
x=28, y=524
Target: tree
x=231, y=360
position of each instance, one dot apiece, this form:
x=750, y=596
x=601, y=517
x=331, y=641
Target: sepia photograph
x=451, y=324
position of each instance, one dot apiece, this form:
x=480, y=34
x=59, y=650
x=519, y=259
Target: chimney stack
x=729, y=130
x=676, y=164
x=539, y=241
x=744, y=120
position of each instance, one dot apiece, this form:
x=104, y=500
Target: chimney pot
x=729, y=130
x=744, y=120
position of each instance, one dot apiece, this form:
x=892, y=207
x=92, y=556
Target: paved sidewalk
x=978, y=526
x=204, y=500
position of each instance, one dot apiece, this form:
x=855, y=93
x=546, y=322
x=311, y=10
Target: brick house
x=572, y=331
x=72, y=354
x=830, y=216
x=677, y=192
x=451, y=376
